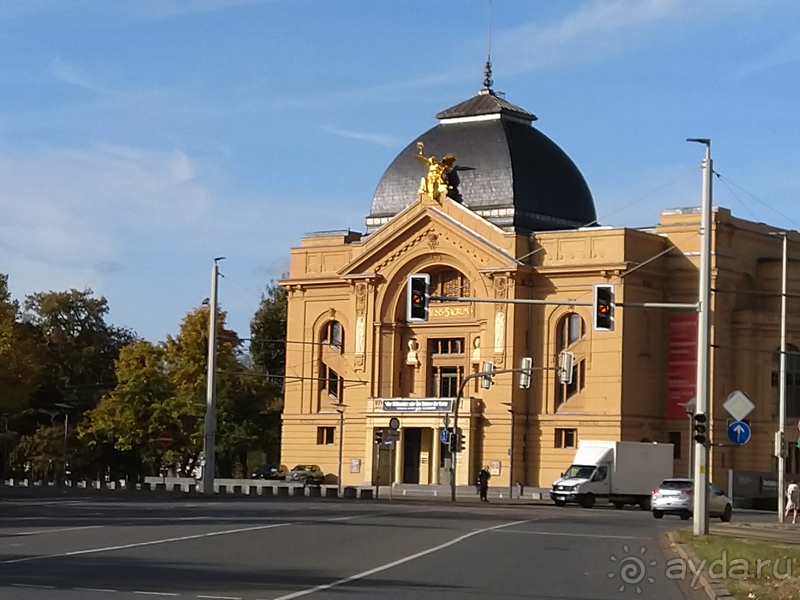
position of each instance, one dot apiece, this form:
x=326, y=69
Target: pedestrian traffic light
x=379, y=436
x=525, y=366
x=700, y=430
x=488, y=374
x=603, y=307
x=418, y=297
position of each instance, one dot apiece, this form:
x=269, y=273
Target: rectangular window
x=447, y=346
x=445, y=381
x=325, y=436
x=566, y=438
x=675, y=440
x=330, y=381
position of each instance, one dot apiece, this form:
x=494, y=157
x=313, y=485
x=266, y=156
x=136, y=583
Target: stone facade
x=350, y=348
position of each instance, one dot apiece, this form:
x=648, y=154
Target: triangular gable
x=406, y=227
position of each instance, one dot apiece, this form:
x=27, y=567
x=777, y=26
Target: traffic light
x=525, y=366
x=456, y=442
x=379, y=436
x=566, y=362
x=418, y=297
x=488, y=378
x=603, y=307
x=700, y=430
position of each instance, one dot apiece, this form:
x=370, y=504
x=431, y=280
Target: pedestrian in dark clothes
x=483, y=483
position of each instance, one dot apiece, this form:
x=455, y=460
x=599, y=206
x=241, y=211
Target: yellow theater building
x=515, y=219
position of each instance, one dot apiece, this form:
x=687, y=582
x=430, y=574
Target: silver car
x=675, y=497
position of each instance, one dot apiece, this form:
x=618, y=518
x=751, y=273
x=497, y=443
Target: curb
x=713, y=590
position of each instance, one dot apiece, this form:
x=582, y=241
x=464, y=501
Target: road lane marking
x=56, y=530
x=32, y=586
x=396, y=563
x=585, y=535
x=150, y=543
x=221, y=597
x=101, y=590
x=155, y=593
x=178, y=539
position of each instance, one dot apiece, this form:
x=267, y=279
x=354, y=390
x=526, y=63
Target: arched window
x=570, y=331
x=333, y=335
x=331, y=364
x=792, y=379
x=449, y=282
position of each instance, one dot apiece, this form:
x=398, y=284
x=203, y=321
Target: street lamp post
x=700, y=512
x=340, y=409
x=65, y=407
x=209, y=437
x=782, y=388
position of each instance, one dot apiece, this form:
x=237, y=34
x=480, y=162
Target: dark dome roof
x=509, y=172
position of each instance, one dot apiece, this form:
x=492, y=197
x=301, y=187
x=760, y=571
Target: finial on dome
x=487, y=75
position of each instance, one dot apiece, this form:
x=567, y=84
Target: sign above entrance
x=418, y=405
x=450, y=312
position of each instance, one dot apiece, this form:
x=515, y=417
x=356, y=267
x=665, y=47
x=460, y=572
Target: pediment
x=431, y=228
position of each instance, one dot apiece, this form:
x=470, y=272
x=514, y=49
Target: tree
x=42, y=454
x=78, y=347
x=19, y=364
x=268, y=351
x=268, y=331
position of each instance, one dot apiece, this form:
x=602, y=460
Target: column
x=436, y=457
x=398, y=459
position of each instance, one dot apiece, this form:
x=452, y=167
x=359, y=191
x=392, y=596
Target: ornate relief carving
x=433, y=240
x=499, y=331
x=403, y=249
x=476, y=350
x=361, y=325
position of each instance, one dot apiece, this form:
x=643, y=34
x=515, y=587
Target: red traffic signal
x=603, y=307
x=418, y=297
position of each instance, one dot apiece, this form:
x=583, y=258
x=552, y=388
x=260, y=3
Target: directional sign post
x=739, y=432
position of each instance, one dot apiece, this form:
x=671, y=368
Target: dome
x=507, y=171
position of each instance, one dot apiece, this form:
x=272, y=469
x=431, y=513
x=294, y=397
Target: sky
x=140, y=139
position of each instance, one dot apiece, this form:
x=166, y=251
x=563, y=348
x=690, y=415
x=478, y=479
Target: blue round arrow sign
x=739, y=432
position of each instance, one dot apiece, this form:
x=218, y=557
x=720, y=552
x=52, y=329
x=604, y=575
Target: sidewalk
x=766, y=532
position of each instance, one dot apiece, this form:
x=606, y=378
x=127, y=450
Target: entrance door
x=412, y=445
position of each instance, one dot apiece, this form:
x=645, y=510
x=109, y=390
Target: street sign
x=393, y=435
x=738, y=405
x=394, y=423
x=739, y=432
x=164, y=438
x=444, y=436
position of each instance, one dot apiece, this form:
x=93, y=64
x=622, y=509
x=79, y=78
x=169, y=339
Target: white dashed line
x=36, y=587
x=155, y=593
x=221, y=597
x=100, y=590
x=57, y=530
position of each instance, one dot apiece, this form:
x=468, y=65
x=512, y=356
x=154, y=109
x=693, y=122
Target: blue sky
x=141, y=138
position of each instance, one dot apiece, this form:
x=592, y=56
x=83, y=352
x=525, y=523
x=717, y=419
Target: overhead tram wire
x=757, y=199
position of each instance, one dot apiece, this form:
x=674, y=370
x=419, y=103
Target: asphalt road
x=326, y=550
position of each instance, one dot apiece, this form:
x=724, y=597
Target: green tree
x=40, y=455
x=20, y=368
x=268, y=352
x=78, y=347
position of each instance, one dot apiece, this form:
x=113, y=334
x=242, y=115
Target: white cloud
x=379, y=139
x=599, y=28
x=68, y=209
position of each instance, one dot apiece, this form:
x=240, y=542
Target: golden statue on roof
x=437, y=181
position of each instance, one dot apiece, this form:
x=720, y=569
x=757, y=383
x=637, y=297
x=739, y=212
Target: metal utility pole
x=209, y=439
x=340, y=408
x=782, y=390
x=700, y=512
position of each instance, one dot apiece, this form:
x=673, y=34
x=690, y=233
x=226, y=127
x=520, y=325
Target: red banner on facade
x=682, y=370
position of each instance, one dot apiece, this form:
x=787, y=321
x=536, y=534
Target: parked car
x=269, y=472
x=306, y=474
x=675, y=497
